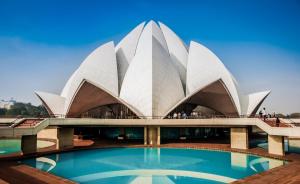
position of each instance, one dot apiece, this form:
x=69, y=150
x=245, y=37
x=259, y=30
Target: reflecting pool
x=153, y=165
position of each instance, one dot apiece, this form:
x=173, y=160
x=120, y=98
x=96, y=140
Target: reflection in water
x=43, y=162
x=239, y=160
x=153, y=165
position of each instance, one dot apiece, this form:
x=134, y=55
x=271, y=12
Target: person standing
x=260, y=114
x=264, y=113
x=277, y=122
x=175, y=115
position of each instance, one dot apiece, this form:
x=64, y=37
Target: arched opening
x=110, y=111
x=211, y=101
x=94, y=102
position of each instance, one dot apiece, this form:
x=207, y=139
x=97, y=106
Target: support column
x=239, y=138
x=29, y=144
x=145, y=136
x=158, y=136
x=153, y=136
x=65, y=138
x=276, y=144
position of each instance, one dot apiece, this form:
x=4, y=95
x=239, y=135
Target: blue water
x=152, y=165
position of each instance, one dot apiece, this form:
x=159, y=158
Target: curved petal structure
x=54, y=103
x=152, y=72
x=157, y=87
x=125, y=50
x=215, y=96
x=100, y=67
x=178, y=51
x=203, y=68
x=254, y=101
x=82, y=103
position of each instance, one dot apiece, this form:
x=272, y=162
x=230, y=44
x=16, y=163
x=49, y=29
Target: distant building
x=6, y=104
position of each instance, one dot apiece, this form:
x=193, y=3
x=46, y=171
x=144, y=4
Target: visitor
x=277, y=122
x=184, y=116
x=260, y=114
x=264, y=113
x=175, y=115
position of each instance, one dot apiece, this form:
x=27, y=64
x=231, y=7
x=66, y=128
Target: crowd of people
x=184, y=115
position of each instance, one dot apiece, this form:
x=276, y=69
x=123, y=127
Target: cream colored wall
x=239, y=138
x=276, y=145
x=48, y=133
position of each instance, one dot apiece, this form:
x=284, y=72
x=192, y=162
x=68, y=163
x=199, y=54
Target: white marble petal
x=152, y=84
x=54, y=103
x=178, y=51
x=125, y=50
x=203, y=68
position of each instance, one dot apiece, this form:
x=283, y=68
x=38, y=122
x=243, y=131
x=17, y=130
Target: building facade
x=151, y=73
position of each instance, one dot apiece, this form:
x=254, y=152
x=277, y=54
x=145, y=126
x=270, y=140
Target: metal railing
x=152, y=117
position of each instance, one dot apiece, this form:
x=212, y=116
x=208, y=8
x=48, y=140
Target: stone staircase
x=27, y=123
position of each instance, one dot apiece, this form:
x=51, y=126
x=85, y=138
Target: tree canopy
x=24, y=109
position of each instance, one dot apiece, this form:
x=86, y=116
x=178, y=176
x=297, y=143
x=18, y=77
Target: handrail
x=153, y=117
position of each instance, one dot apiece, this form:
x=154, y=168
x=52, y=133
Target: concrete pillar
x=65, y=138
x=29, y=144
x=145, y=136
x=153, y=136
x=158, y=136
x=276, y=144
x=239, y=138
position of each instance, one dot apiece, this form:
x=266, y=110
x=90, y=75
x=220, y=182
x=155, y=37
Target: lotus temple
x=153, y=109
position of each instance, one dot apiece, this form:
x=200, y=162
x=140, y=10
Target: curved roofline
x=103, y=89
x=199, y=90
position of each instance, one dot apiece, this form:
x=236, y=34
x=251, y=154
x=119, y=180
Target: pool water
x=152, y=165
x=8, y=146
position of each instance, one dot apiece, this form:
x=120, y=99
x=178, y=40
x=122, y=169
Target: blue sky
x=43, y=42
